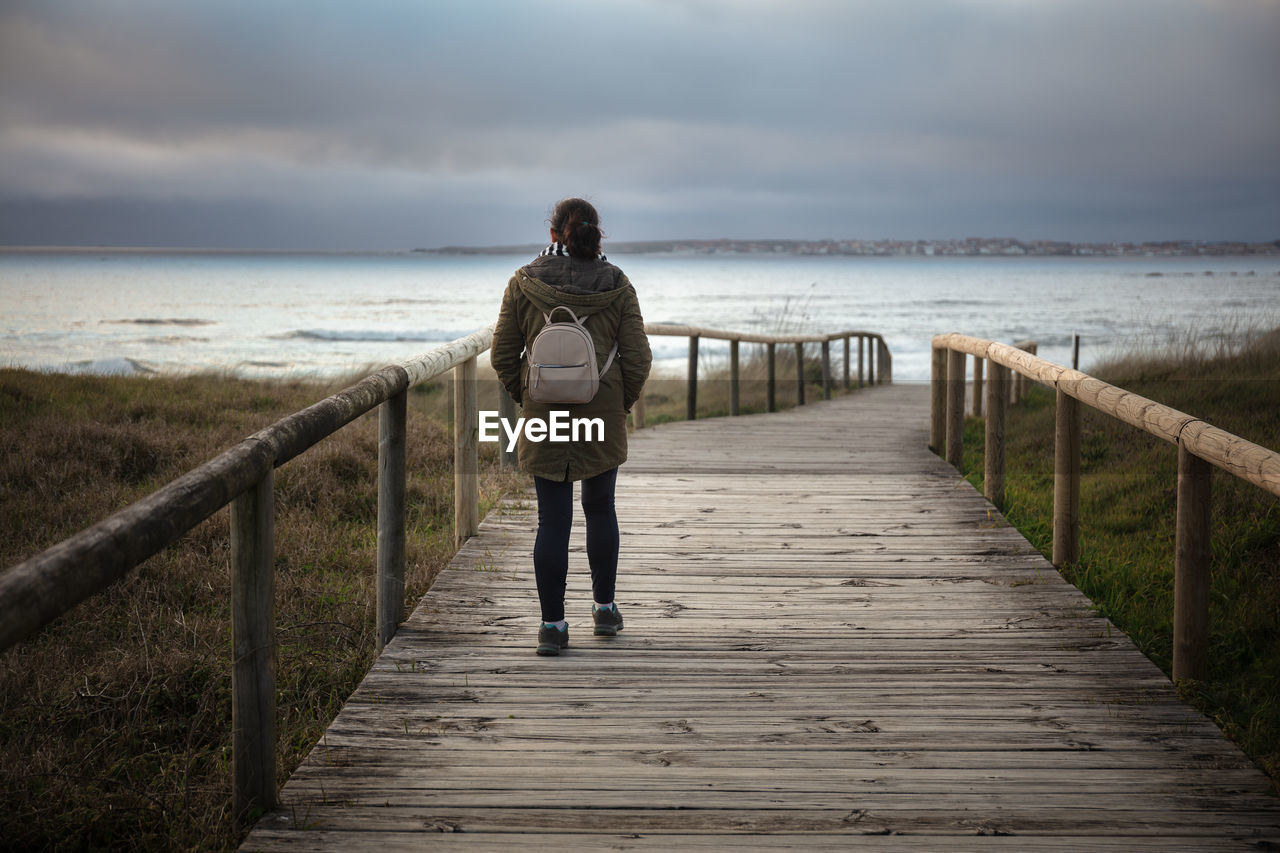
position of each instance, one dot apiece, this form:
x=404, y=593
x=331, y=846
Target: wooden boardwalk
x=831, y=641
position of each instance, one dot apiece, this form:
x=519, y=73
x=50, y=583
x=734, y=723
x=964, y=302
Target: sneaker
x=608, y=622
x=551, y=639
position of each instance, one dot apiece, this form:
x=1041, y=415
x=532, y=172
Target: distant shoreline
x=995, y=247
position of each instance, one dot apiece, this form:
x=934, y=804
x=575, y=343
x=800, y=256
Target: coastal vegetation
x=1127, y=503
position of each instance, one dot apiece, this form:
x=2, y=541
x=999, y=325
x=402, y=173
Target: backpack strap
x=608, y=361
x=547, y=315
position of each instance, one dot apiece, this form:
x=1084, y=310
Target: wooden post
x=771, y=385
x=977, y=385
x=1075, y=352
x=826, y=370
x=253, y=672
x=955, y=406
x=507, y=411
x=799, y=374
x=886, y=363
x=691, y=396
x=466, y=463
x=861, y=373
x=937, y=400
x=1025, y=382
x=993, y=465
x=846, y=362
x=1066, y=481
x=871, y=361
x=391, y=522
x=1191, y=569
x=733, y=377
x=637, y=411
x=1019, y=386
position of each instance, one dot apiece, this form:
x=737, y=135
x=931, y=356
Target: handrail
x=1246, y=460
x=43, y=587
x=748, y=337
x=879, y=362
x=38, y=590
x=1200, y=445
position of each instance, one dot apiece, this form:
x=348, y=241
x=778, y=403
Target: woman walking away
x=572, y=274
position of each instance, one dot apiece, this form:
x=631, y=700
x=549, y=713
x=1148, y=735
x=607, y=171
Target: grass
x=115, y=720
x=1127, y=503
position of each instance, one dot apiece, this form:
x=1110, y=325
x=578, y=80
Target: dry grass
x=115, y=720
x=1244, y=348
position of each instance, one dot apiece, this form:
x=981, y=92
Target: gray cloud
x=1140, y=119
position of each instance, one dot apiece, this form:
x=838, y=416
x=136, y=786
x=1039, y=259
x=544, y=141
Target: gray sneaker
x=551, y=639
x=608, y=622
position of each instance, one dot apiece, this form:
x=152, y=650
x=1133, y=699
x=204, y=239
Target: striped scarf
x=559, y=250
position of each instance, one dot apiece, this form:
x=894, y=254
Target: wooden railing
x=1201, y=446
x=39, y=590
x=877, y=367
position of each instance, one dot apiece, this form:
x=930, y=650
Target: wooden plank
x=831, y=639
x=873, y=840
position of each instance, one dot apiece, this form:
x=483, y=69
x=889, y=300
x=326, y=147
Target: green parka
x=600, y=294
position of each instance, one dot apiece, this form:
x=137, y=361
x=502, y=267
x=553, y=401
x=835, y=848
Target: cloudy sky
x=389, y=124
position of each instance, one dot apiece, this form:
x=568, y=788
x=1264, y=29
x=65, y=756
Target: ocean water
x=335, y=314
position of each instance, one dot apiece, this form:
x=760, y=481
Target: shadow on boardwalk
x=829, y=634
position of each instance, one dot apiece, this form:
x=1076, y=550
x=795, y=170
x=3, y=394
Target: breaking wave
x=162, y=321
x=358, y=335
x=106, y=367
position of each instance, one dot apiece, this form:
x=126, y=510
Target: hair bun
x=566, y=220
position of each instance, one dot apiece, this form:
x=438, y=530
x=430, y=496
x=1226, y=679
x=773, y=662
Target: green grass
x=1127, y=505
x=115, y=721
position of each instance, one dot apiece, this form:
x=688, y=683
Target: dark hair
x=578, y=225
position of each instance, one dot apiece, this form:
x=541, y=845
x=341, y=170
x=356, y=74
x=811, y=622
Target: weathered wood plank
x=413, y=841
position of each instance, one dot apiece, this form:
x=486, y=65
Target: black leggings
x=551, y=549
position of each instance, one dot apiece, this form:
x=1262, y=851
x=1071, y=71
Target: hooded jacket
x=600, y=294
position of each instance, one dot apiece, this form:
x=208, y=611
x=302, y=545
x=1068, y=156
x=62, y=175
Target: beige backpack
x=562, y=361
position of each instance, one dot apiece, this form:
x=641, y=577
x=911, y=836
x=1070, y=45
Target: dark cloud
x=697, y=118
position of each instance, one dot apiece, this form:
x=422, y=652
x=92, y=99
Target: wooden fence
x=39, y=590
x=1201, y=446
x=877, y=367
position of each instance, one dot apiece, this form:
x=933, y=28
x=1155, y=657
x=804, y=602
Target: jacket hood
x=546, y=295
x=575, y=275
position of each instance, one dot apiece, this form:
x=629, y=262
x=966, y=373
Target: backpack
x=562, y=361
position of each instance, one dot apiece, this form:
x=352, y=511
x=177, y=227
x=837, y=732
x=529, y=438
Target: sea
x=333, y=315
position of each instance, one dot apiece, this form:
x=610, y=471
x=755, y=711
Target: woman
x=572, y=272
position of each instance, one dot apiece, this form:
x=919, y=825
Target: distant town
x=969, y=246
